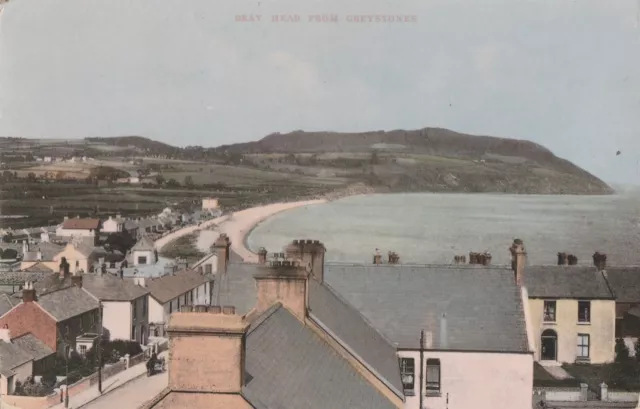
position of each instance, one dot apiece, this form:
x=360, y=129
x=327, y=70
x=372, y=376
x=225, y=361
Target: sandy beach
x=236, y=226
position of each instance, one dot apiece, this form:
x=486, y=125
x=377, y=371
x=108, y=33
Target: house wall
x=75, y=232
x=117, y=319
x=141, y=318
x=70, y=329
x=148, y=254
x=29, y=317
x=476, y=380
x=73, y=255
x=21, y=373
x=112, y=226
x=601, y=329
x=53, y=265
x=156, y=311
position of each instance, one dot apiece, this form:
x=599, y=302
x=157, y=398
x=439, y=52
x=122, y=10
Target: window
x=207, y=268
x=550, y=311
x=83, y=350
x=584, y=311
x=433, y=377
x=133, y=332
x=583, y=346
x=144, y=307
x=142, y=260
x=170, y=307
x=112, y=264
x=407, y=373
x=135, y=312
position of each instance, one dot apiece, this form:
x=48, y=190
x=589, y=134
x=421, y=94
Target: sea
x=430, y=228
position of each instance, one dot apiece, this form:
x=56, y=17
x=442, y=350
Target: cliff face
x=434, y=159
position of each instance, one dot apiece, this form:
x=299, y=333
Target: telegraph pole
x=421, y=365
x=100, y=350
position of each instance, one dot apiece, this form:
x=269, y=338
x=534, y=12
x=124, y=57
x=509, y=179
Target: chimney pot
x=228, y=310
x=215, y=309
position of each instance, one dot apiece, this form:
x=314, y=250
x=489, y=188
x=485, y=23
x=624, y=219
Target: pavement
x=121, y=382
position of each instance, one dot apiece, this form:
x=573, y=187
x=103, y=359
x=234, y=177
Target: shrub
x=48, y=379
x=622, y=351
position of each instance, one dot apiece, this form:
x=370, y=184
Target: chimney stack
x=377, y=257
x=284, y=282
x=518, y=259
x=309, y=252
x=28, y=293
x=562, y=259
x=600, y=260
x=25, y=248
x=486, y=258
x=572, y=260
x=262, y=255
x=222, y=334
x=76, y=280
x=64, y=268
x=394, y=258
x=221, y=248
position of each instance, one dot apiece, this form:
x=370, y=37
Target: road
x=132, y=395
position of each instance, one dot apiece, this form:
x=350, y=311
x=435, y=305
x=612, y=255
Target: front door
x=549, y=346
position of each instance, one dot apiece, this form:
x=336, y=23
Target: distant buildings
x=78, y=227
x=210, y=203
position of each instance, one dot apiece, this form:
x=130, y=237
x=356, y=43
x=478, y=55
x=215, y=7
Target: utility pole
x=421, y=366
x=67, y=353
x=100, y=350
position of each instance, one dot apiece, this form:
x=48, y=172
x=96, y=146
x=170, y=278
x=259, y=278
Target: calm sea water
x=432, y=228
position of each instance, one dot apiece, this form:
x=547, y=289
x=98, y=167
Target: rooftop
x=166, y=288
x=67, y=303
x=81, y=224
x=32, y=346
x=625, y=283
x=566, y=282
x=107, y=287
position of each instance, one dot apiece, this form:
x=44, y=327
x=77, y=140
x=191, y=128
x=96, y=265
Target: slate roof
x=289, y=366
x=81, y=224
x=482, y=307
x=107, y=287
x=6, y=303
x=625, y=283
x=48, y=250
x=67, y=303
x=239, y=289
x=166, y=288
x=144, y=244
x=20, y=277
x=566, y=282
x=35, y=348
x=39, y=267
x=11, y=356
x=353, y=331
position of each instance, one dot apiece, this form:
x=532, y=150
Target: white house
x=125, y=306
x=476, y=349
x=207, y=264
x=144, y=252
x=113, y=225
x=79, y=227
x=168, y=293
x=16, y=364
x=210, y=203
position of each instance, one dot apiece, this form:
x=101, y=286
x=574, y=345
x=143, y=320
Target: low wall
x=561, y=393
x=34, y=402
x=622, y=396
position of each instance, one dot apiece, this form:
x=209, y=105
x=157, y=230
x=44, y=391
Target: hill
x=432, y=159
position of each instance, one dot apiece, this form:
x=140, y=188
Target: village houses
x=78, y=227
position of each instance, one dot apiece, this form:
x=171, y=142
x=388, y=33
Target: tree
x=374, y=157
x=160, y=179
x=622, y=351
x=188, y=181
x=173, y=183
x=7, y=237
x=31, y=177
x=7, y=175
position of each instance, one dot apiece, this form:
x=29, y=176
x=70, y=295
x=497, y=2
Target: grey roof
x=20, y=277
x=107, y=287
x=166, y=288
x=6, y=303
x=464, y=308
x=566, y=282
x=48, y=250
x=289, y=366
x=353, y=331
x=67, y=303
x=11, y=356
x=239, y=289
x=35, y=348
x=144, y=244
x=625, y=283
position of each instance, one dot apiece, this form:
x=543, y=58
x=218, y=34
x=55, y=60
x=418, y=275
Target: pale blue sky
x=562, y=73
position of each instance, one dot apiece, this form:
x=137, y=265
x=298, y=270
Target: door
x=549, y=346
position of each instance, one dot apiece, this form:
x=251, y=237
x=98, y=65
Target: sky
x=562, y=73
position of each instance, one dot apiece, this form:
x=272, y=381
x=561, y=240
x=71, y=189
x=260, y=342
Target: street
x=132, y=395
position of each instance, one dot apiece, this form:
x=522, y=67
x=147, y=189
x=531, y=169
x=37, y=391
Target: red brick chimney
x=219, y=332
x=262, y=255
x=285, y=282
x=377, y=257
x=28, y=293
x=518, y=260
x=222, y=248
